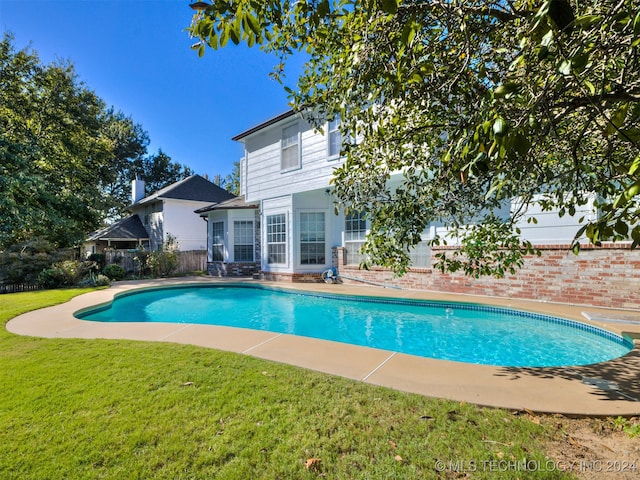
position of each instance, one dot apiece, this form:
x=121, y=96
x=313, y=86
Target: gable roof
x=129, y=228
x=259, y=127
x=235, y=203
x=194, y=188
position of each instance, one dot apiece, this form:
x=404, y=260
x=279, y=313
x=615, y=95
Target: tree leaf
x=389, y=6
x=634, y=165
x=565, y=67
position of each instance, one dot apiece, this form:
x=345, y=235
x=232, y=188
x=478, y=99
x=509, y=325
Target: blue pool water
x=450, y=331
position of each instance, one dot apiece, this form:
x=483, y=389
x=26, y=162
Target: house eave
x=266, y=124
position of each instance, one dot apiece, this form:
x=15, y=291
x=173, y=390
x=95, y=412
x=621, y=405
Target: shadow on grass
x=617, y=379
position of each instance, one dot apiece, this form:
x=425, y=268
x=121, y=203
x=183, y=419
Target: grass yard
x=79, y=409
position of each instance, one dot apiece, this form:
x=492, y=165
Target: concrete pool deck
x=605, y=389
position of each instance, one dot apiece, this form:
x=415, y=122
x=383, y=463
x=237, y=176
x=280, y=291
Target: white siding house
x=285, y=183
x=286, y=171
x=169, y=211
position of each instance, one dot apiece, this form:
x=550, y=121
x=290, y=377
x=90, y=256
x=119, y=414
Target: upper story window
x=290, y=148
x=334, y=138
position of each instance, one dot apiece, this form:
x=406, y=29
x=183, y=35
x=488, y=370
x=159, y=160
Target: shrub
x=114, y=271
x=142, y=262
x=95, y=281
x=102, y=281
x=100, y=260
x=64, y=274
x=163, y=263
x=22, y=263
x=53, y=277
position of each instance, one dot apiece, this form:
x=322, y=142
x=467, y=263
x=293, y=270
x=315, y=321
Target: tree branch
x=489, y=11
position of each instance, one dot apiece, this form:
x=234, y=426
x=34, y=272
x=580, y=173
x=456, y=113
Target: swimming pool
x=462, y=332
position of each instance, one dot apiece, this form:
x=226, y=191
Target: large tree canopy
x=475, y=102
x=66, y=160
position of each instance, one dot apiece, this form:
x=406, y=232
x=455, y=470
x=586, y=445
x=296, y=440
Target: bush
x=22, y=263
x=114, y=272
x=53, y=277
x=142, y=262
x=102, y=281
x=100, y=260
x=64, y=274
x=163, y=263
x=95, y=281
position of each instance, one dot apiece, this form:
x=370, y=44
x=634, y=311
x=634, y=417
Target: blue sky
x=135, y=55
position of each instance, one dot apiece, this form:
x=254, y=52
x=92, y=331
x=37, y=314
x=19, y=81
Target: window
x=290, y=155
x=217, y=241
x=243, y=241
x=334, y=138
x=312, y=242
x=277, y=239
x=147, y=215
x=420, y=255
x=355, y=231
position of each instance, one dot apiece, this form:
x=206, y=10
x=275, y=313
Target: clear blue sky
x=135, y=55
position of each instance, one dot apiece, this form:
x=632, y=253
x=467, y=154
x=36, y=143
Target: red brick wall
x=606, y=276
x=292, y=277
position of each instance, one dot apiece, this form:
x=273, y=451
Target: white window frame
x=288, y=144
x=420, y=254
x=354, y=238
x=310, y=237
x=277, y=238
x=333, y=131
x=245, y=242
x=219, y=245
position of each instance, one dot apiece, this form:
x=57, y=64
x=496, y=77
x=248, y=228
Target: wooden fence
x=188, y=261
x=192, y=261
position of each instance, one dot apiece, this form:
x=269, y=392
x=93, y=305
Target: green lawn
x=77, y=409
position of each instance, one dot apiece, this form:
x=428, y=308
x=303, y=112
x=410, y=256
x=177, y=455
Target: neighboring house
x=287, y=208
x=169, y=211
x=125, y=234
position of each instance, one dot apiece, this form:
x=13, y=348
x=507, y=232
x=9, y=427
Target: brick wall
x=292, y=277
x=241, y=269
x=606, y=276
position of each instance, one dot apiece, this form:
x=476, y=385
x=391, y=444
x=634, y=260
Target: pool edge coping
x=480, y=384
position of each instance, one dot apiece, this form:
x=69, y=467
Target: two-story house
x=286, y=207
x=285, y=176
x=284, y=226
x=169, y=211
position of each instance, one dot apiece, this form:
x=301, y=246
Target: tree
x=53, y=154
x=159, y=171
x=66, y=160
x=129, y=143
x=475, y=102
x=232, y=181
